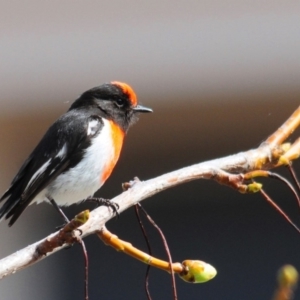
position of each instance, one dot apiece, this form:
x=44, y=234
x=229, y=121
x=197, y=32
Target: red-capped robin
x=78, y=152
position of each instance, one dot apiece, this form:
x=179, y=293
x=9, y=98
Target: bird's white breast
x=85, y=178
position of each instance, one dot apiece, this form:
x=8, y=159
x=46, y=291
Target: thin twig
x=279, y=210
x=290, y=186
x=86, y=268
x=149, y=250
x=193, y=271
x=285, y=130
x=294, y=176
x=166, y=248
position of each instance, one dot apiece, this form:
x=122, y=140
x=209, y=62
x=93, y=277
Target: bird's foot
x=101, y=201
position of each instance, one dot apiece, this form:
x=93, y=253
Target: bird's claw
x=101, y=201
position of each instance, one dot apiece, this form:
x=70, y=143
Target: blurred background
x=220, y=75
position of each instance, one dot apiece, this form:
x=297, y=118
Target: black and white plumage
x=77, y=153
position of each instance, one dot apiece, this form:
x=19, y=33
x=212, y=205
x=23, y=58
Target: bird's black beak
x=142, y=109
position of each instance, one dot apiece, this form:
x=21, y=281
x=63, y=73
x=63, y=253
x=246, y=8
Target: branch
x=227, y=170
x=189, y=270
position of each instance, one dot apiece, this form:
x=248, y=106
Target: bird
x=77, y=153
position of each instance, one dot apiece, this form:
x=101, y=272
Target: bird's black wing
x=61, y=148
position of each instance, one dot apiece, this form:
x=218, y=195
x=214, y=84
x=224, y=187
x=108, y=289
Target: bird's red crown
x=127, y=89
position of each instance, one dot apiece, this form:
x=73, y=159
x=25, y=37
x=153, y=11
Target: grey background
x=220, y=76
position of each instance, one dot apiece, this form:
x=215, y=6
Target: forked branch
x=227, y=170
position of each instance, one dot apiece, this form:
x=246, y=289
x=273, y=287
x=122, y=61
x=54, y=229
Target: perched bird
x=78, y=152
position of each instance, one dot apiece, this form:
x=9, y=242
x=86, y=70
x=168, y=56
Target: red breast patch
x=117, y=136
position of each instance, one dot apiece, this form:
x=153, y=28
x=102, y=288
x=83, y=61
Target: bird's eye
x=120, y=102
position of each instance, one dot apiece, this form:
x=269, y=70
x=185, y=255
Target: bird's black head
x=114, y=101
